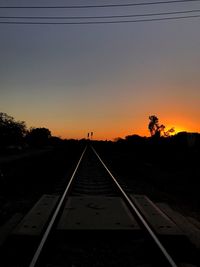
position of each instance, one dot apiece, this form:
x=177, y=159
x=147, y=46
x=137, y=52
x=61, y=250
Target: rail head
x=126, y=197
x=140, y=216
x=54, y=216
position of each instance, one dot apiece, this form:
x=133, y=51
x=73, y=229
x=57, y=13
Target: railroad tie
x=8, y=227
x=161, y=224
x=35, y=221
x=189, y=226
x=97, y=215
x=25, y=236
x=166, y=227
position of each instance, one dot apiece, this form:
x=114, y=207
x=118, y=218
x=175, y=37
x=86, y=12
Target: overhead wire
x=101, y=6
x=102, y=17
x=99, y=22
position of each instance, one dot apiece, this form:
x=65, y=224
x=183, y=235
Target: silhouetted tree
x=11, y=132
x=38, y=136
x=156, y=129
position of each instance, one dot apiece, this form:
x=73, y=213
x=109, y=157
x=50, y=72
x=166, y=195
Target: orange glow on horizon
x=108, y=135
x=116, y=126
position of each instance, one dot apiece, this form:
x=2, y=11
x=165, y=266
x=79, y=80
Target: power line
x=101, y=6
x=99, y=22
x=101, y=17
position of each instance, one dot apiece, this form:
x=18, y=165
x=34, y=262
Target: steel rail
x=140, y=217
x=54, y=217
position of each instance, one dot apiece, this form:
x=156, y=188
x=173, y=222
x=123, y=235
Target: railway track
x=94, y=223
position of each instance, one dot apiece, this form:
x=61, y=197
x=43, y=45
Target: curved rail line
x=132, y=207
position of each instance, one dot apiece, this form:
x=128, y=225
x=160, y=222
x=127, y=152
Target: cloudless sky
x=105, y=78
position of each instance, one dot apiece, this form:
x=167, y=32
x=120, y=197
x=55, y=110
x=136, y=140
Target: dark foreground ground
x=27, y=175
x=163, y=171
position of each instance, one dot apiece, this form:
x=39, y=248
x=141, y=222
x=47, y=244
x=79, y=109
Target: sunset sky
x=105, y=78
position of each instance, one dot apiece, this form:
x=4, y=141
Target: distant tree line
x=11, y=132
x=15, y=133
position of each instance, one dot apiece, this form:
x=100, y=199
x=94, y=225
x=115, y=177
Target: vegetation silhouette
x=12, y=132
x=14, y=135
x=159, y=164
x=38, y=137
x=156, y=129
x=165, y=168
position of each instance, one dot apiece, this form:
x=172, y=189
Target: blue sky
x=103, y=78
